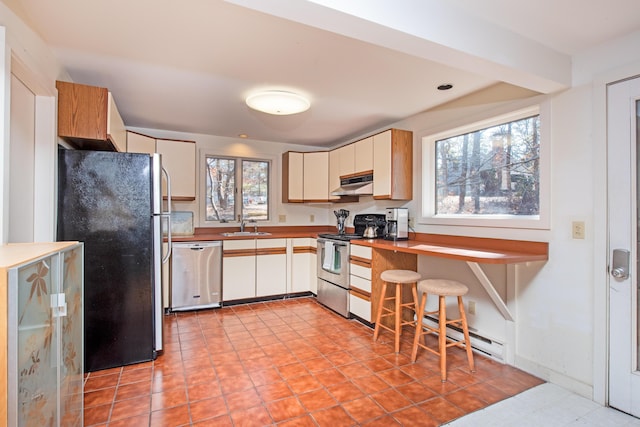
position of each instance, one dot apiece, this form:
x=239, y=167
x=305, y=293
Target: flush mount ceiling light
x=278, y=102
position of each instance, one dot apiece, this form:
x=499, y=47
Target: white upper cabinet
x=393, y=165
x=334, y=172
x=347, y=159
x=364, y=155
x=179, y=159
x=138, y=143
x=292, y=177
x=316, y=176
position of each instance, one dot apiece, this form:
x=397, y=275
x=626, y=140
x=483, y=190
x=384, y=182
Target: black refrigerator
x=113, y=203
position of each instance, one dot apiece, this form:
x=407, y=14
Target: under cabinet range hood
x=355, y=185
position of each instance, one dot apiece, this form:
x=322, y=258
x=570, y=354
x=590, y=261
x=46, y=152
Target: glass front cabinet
x=42, y=302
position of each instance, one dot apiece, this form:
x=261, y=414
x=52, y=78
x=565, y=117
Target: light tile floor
x=546, y=405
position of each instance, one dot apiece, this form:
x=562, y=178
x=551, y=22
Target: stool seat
x=397, y=279
x=400, y=276
x=442, y=288
x=447, y=288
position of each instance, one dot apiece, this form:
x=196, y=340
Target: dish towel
x=329, y=254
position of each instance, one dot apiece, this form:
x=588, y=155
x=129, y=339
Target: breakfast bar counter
x=474, y=251
x=470, y=249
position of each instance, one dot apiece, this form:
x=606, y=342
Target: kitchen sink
x=246, y=233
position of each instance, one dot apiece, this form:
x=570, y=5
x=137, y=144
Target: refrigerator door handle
x=167, y=214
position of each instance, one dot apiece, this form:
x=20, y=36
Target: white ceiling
x=187, y=66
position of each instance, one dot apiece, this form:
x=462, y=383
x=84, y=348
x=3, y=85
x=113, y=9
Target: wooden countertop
x=291, y=232
x=473, y=249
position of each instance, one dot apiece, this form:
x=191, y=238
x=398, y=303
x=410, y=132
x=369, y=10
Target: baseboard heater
x=487, y=346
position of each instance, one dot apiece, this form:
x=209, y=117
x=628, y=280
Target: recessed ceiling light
x=445, y=86
x=243, y=135
x=278, y=102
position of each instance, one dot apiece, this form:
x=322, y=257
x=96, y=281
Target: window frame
x=238, y=187
x=428, y=178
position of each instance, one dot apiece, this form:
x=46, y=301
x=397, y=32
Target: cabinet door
x=347, y=159
x=238, y=270
x=334, y=172
x=179, y=159
x=271, y=267
x=137, y=143
x=316, y=176
x=292, y=177
x=364, y=155
x=360, y=305
x=72, y=338
x=301, y=265
x=382, y=165
x=313, y=273
x=116, y=132
x=37, y=343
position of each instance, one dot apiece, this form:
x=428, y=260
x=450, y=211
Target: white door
x=22, y=169
x=623, y=122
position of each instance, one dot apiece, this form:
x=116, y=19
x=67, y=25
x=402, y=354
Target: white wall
x=295, y=213
x=27, y=56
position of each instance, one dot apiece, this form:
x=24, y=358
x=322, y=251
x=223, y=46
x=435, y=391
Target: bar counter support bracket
x=491, y=290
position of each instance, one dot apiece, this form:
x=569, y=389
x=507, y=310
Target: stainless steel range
x=333, y=262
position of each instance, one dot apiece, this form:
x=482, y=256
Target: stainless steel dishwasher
x=196, y=275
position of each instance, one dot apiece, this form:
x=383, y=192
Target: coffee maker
x=397, y=224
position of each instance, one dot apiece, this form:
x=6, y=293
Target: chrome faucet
x=241, y=221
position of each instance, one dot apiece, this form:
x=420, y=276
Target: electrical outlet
x=410, y=221
x=312, y=218
x=472, y=307
x=282, y=218
x=577, y=229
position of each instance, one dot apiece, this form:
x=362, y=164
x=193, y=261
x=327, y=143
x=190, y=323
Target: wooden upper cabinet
x=292, y=176
x=393, y=165
x=88, y=118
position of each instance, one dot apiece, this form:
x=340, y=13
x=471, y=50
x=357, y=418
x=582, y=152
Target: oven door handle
x=320, y=240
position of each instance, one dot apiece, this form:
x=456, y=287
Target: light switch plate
x=577, y=229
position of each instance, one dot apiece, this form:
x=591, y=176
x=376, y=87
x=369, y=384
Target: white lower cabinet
x=360, y=281
x=267, y=267
x=360, y=305
x=238, y=269
x=303, y=265
x=271, y=267
x=254, y=268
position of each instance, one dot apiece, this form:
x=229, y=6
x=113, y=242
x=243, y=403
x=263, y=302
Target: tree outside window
x=225, y=200
x=491, y=171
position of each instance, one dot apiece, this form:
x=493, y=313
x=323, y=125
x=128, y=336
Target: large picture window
x=487, y=171
x=236, y=188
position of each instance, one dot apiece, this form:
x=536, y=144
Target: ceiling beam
x=434, y=30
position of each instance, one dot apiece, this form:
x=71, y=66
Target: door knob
x=620, y=264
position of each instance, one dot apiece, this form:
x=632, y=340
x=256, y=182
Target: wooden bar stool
x=442, y=288
x=400, y=278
